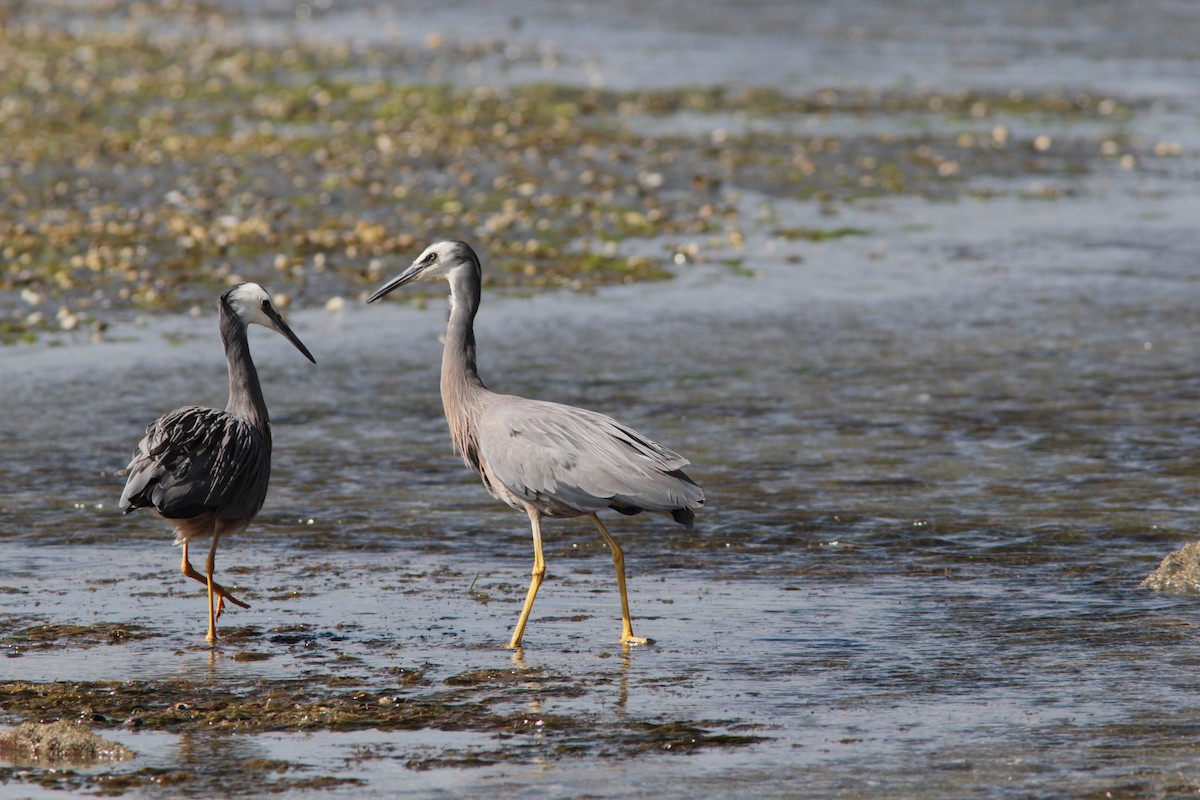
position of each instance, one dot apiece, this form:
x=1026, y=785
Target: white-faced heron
x=204, y=470
x=545, y=459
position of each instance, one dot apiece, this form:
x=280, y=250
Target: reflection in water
x=209, y=751
x=215, y=762
x=623, y=676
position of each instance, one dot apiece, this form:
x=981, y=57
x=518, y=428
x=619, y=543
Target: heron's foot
x=515, y=644
x=219, y=590
x=629, y=638
x=224, y=594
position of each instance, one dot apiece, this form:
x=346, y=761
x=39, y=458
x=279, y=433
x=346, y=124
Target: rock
x=59, y=742
x=1179, y=572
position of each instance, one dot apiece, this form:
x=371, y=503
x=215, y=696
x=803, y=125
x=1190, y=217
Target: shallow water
x=935, y=482
x=939, y=457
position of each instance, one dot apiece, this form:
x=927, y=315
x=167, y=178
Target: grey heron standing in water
x=546, y=459
x=206, y=471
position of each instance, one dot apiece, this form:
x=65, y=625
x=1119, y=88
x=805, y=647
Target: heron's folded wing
x=196, y=460
x=581, y=458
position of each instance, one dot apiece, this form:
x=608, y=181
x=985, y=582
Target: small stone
x=58, y=743
x=1179, y=572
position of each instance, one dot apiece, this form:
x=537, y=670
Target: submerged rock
x=1179, y=572
x=58, y=743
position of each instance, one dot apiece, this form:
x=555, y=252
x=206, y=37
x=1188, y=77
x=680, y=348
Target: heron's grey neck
x=245, y=392
x=463, y=393
x=458, y=358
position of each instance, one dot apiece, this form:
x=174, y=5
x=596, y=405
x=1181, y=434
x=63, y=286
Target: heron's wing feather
x=196, y=460
x=583, y=459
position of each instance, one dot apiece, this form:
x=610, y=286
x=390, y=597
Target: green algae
x=46, y=637
x=473, y=701
x=818, y=234
x=248, y=778
x=493, y=702
x=147, y=171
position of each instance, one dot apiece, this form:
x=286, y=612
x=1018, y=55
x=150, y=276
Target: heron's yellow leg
x=618, y=557
x=223, y=593
x=209, y=566
x=539, y=572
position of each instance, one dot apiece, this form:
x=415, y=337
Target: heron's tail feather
x=684, y=517
x=138, y=488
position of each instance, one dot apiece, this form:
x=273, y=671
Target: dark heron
x=545, y=459
x=205, y=470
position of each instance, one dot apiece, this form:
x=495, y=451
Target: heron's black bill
x=395, y=283
x=283, y=328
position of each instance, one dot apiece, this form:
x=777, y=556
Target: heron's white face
x=252, y=304
x=440, y=259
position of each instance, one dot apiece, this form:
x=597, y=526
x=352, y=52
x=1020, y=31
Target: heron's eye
x=266, y=305
x=429, y=259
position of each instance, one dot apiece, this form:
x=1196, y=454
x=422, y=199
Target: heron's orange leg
x=223, y=593
x=210, y=565
x=539, y=572
x=618, y=557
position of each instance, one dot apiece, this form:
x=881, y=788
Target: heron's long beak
x=414, y=271
x=283, y=328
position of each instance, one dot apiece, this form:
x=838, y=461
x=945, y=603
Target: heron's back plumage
x=568, y=461
x=196, y=461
